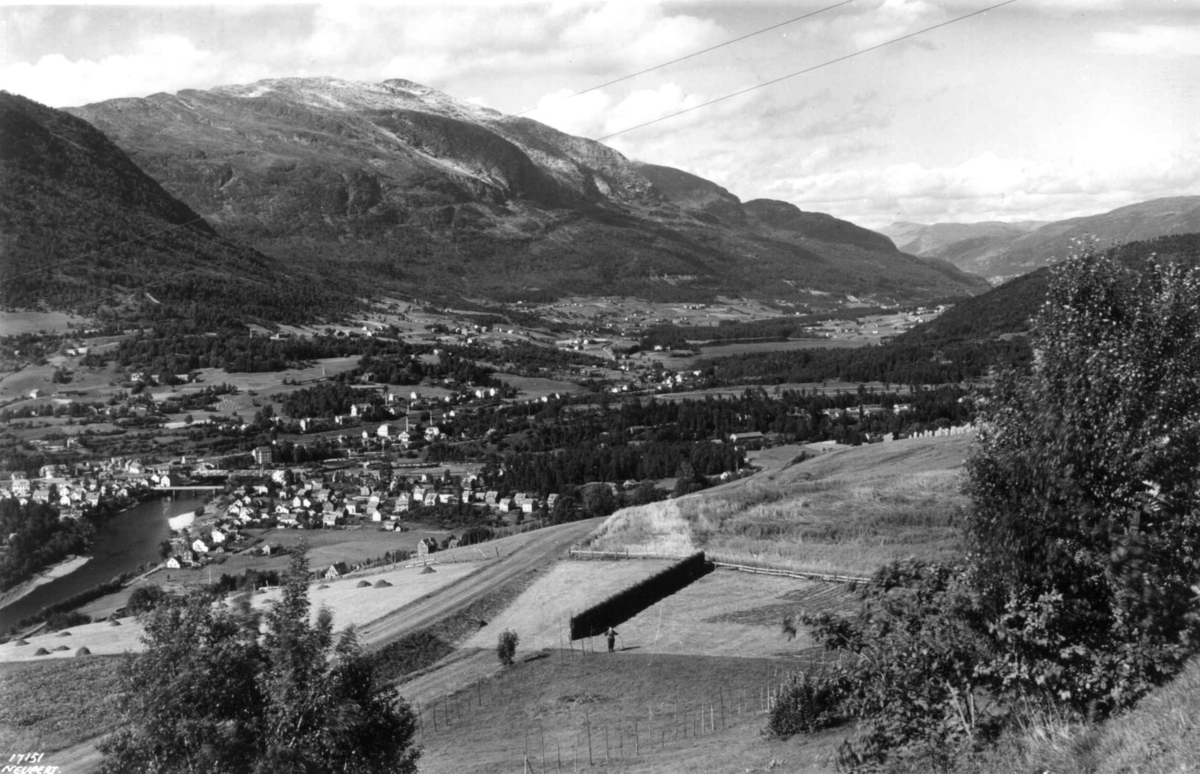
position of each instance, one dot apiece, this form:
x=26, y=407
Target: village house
x=337, y=570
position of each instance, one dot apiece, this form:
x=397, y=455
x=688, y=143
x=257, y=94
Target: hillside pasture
x=629, y=711
x=847, y=511
x=17, y=323
x=724, y=613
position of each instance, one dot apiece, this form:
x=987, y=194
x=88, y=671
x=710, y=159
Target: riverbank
x=53, y=572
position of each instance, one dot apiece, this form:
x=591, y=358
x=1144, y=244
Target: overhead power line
x=697, y=53
x=806, y=70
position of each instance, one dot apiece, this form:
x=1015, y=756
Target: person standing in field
x=611, y=634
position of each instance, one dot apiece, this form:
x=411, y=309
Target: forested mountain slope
x=83, y=228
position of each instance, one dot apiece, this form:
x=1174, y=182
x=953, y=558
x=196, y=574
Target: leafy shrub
x=145, y=598
x=805, y=704
x=506, y=647
x=915, y=665
x=67, y=620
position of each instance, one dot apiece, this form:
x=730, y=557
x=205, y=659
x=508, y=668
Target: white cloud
x=159, y=63
x=1152, y=40
x=986, y=188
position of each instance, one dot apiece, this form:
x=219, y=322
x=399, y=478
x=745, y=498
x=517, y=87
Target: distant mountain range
x=395, y=187
x=82, y=227
x=1000, y=251
x=1010, y=308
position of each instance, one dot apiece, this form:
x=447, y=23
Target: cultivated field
x=847, y=511
x=724, y=613
x=350, y=604
x=16, y=323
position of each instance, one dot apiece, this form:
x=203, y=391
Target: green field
x=847, y=511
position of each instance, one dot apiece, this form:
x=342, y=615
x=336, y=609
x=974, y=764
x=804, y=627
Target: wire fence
x=591, y=736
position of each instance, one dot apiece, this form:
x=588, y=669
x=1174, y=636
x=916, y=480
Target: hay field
x=16, y=323
x=540, y=614
x=846, y=512
x=725, y=613
x=350, y=604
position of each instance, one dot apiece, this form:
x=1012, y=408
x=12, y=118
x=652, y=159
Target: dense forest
x=896, y=362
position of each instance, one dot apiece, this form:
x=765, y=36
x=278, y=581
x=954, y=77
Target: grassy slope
x=847, y=511
x=1161, y=734
x=52, y=706
x=555, y=699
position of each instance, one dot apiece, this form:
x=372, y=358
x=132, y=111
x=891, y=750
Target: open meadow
x=846, y=511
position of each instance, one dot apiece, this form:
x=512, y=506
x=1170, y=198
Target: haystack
x=41, y=652
x=428, y=569
x=362, y=583
x=83, y=652
x=382, y=584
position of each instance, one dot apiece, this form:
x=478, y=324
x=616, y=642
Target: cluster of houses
x=75, y=489
x=866, y=410
x=190, y=548
x=303, y=498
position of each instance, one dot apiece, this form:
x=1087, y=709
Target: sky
x=1037, y=110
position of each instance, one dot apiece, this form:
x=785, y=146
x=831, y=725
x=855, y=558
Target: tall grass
x=1161, y=734
x=838, y=524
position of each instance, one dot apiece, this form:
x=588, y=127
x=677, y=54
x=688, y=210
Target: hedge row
x=623, y=605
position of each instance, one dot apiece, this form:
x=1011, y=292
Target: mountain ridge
x=82, y=227
x=1000, y=251
x=405, y=186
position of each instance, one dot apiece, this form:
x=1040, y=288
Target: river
x=122, y=543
